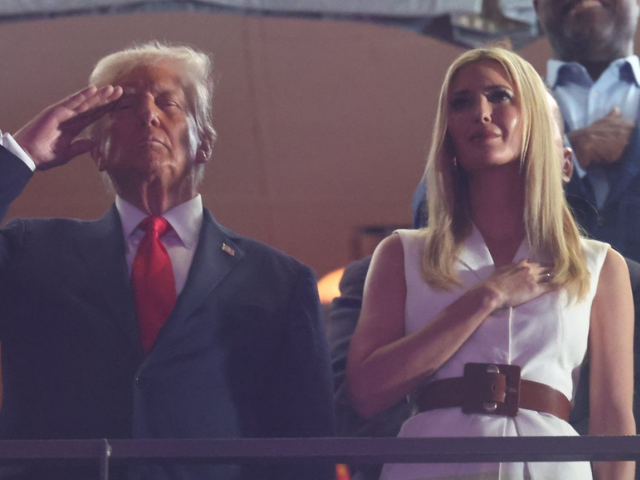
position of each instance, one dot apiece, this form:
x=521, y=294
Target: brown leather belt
x=492, y=389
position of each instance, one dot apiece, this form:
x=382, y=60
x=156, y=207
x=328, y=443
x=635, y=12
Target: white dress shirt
x=583, y=101
x=185, y=220
x=7, y=141
x=181, y=241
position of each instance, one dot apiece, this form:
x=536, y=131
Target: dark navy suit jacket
x=618, y=220
x=243, y=353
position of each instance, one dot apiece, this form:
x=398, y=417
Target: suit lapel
x=476, y=258
x=216, y=255
x=102, y=248
x=628, y=171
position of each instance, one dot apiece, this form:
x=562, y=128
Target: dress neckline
x=475, y=254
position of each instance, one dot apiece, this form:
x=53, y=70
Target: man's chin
x=587, y=33
x=140, y=168
x=150, y=159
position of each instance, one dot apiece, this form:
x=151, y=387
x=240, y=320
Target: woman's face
x=485, y=124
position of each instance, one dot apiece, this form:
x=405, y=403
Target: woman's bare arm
x=383, y=364
x=611, y=364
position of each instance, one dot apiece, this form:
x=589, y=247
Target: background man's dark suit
x=341, y=324
x=593, y=47
x=618, y=220
x=243, y=354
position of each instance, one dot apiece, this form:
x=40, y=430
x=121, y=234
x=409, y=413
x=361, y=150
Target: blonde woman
x=485, y=317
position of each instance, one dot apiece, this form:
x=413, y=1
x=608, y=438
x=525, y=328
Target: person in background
x=154, y=321
x=595, y=78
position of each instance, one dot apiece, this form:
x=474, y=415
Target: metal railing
x=322, y=450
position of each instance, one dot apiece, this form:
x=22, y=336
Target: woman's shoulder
x=412, y=241
x=412, y=235
x=602, y=259
x=402, y=246
x=594, y=249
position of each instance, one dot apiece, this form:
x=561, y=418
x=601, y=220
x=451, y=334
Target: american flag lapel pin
x=228, y=250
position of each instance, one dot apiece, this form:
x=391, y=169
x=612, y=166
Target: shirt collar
x=559, y=71
x=631, y=64
x=185, y=219
x=553, y=66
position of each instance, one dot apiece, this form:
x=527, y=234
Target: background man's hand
x=603, y=141
x=49, y=137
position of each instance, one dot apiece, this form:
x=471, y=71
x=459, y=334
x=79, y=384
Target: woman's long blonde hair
x=550, y=228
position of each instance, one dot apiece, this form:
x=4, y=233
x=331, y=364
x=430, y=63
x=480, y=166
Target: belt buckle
x=491, y=388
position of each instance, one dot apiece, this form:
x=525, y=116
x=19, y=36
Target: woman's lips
x=484, y=135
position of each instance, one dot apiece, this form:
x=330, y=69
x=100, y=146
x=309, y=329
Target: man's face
x=572, y=23
x=147, y=136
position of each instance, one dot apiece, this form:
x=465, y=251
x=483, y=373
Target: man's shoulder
x=58, y=226
x=271, y=278
x=262, y=255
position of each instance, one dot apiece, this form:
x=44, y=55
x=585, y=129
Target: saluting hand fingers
x=90, y=97
x=102, y=96
x=87, y=106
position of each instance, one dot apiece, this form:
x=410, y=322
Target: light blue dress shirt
x=583, y=101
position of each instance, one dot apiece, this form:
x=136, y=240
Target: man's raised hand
x=603, y=141
x=49, y=137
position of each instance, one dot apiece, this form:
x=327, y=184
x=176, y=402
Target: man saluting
x=154, y=321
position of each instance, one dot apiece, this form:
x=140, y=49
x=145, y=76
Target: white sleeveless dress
x=546, y=337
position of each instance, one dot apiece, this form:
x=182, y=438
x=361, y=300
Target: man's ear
x=567, y=164
x=203, y=153
x=97, y=156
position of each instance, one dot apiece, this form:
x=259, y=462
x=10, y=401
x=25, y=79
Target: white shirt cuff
x=7, y=141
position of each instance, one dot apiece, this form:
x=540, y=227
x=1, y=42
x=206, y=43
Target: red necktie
x=153, y=282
